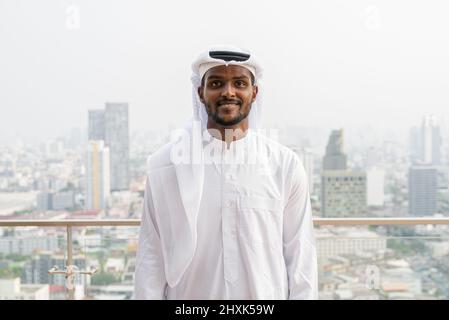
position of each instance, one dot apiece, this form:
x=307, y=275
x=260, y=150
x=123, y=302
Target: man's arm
x=150, y=281
x=299, y=239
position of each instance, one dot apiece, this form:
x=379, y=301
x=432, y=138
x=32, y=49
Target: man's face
x=227, y=92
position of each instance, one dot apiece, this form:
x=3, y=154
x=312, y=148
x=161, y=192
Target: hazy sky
x=327, y=63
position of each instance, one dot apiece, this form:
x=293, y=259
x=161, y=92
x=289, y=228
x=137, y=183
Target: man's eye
x=240, y=83
x=215, y=83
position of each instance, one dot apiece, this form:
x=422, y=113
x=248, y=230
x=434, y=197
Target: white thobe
x=254, y=230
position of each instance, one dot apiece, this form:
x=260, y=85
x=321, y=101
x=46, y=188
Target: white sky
x=328, y=63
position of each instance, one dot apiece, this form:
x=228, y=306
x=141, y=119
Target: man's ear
x=255, y=91
x=200, y=93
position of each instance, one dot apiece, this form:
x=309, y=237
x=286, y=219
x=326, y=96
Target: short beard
x=229, y=123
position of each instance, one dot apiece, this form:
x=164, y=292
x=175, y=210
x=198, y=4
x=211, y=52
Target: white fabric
x=254, y=235
x=204, y=67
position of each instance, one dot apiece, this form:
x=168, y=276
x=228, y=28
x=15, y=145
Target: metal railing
x=69, y=224
x=136, y=222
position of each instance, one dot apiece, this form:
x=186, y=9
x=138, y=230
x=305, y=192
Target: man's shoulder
x=160, y=158
x=279, y=150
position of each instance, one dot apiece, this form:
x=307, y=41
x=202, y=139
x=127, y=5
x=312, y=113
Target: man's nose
x=228, y=90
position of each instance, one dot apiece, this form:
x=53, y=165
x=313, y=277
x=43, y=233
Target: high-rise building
x=343, y=193
x=431, y=137
x=63, y=200
x=117, y=139
x=49, y=200
x=96, y=125
x=426, y=142
x=415, y=144
x=44, y=201
x=112, y=126
x=375, y=180
x=97, y=175
x=335, y=158
x=423, y=190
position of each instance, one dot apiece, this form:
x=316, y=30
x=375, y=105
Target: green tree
x=102, y=279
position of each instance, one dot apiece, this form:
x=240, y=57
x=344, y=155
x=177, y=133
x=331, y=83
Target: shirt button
x=230, y=203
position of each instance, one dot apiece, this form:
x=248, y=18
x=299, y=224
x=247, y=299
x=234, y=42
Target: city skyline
x=356, y=89
x=325, y=64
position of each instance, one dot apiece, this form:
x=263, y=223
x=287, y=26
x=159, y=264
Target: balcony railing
x=318, y=222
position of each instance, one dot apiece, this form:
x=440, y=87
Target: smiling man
x=234, y=221
x=228, y=111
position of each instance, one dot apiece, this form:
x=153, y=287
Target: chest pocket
x=260, y=220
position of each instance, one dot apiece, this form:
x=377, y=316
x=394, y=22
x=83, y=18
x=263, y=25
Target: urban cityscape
x=98, y=172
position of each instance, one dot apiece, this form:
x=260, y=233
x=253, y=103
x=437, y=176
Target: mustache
x=230, y=101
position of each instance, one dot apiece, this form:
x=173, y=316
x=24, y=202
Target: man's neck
x=228, y=134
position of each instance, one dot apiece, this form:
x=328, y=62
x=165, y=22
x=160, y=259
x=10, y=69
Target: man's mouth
x=229, y=103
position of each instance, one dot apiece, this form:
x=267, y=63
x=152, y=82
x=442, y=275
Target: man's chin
x=228, y=122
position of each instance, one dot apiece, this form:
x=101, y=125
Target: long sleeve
x=150, y=281
x=298, y=237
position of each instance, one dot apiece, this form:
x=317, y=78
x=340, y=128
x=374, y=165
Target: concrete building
x=27, y=245
x=98, y=175
x=422, y=190
x=117, y=139
x=96, y=125
x=333, y=242
x=335, y=158
x=44, y=201
x=375, y=180
x=343, y=193
x=12, y=289
x=49, y=200
x=426, y=142
x=112, y=126
x=63, y=200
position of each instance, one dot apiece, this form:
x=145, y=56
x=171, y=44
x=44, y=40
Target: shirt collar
x=222, y=145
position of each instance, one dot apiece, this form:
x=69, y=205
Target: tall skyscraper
x=96, y=125
x=112, y=126
x=423, y=190
x=343, y=192
x=426, y=142
x=98, y=175
x=335, y=158
x=431, y=137
x=117, y=139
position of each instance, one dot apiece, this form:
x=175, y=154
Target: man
x=227, y=210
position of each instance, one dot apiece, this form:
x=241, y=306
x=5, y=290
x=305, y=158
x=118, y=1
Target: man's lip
x=228, y=104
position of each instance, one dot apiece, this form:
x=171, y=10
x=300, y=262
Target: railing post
x=69, y=265
x=70, y=269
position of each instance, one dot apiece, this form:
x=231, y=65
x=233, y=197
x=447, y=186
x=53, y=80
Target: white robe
x=253, y=235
